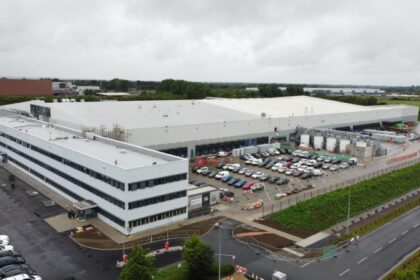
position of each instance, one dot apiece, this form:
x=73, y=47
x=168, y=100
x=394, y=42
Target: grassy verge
x=409, y=270
x=326, y=210
x=383, y=220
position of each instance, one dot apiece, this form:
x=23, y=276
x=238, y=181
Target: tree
x=198, y=258
x=139, y=265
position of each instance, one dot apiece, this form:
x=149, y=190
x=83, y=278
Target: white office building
x=129, y=187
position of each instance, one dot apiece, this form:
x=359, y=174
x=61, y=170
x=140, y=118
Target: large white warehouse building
x=129, y=187
x=186, y=127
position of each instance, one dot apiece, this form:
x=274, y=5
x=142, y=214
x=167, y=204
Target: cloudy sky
x=296, y=41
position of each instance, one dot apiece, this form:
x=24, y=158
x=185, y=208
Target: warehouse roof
x=113, y=154
x=147, y=114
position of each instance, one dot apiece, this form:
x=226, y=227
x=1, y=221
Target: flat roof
x=112, y=154
x=170, y=113
x=201, y=190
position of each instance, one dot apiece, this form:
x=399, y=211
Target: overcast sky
x=290, y=41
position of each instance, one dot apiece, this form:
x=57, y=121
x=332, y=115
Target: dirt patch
x=269, y=241
x=268, y=221
x=95, y=239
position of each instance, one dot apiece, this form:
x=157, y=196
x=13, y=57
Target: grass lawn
x=408, y=270
x=326, y=210
x=407, y=101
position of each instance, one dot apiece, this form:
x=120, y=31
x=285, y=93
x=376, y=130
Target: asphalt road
x=374, y=254
x=53, y=255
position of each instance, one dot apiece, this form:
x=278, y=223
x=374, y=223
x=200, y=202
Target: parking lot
x=297, y=188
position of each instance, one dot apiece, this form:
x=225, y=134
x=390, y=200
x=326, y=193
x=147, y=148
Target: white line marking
x=377, y=250
x=404, y=232
x=416, y=225
x=392, y=240
x=305, y=264
x=362, y=260
x=344, y=272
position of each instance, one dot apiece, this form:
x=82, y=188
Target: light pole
x=348, y=212
x=220, y=246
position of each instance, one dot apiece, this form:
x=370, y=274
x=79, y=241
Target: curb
x=389, y=271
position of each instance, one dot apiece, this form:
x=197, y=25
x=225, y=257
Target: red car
x=248, y=186
x=287, y=164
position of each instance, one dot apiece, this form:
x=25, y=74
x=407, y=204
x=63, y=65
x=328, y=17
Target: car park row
x=300, y=164
x=12, y=264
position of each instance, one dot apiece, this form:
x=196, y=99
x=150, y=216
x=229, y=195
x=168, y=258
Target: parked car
x=240, y=183
x=258, y=187
x=195, y=168
x=273, y=179
x=17, y=269
x=248, y=185
x=226, y=178
x=318, y=165
x=352, y=161
x=229, y=194
x=306, y=175
x=4, y=240
x=263, y=163
x=344, y=165
x=212, y=174
x=202, y=169
x=273, y=151
x=206, y=172
x=9, y=253
x=334, y=167
x=222, y=154
x=249, y=172
x=257, y=175
x=282, y=169
x=326, y=166
x=270, y=164
x=265, y=177
x=335, y=161
x=221, y=174
x=11, y=260
x=23, y=276
x=233, y=166
x=243, y=170
x=256, y=161
x=297, y=173
x=289, y=171
x=295, y=160
x=279, y=195
x=317, y=172
x=220, y=165
x=6, y=248
x=282, y=181
x=226, y=166
x=233, y=181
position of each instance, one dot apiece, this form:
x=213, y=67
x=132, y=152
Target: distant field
x=408, y=101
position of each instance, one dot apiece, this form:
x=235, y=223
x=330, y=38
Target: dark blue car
x=240, y=183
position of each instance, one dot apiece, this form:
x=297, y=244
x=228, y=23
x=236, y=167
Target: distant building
x=341, y=90
x=24, y=87
x=81, y=89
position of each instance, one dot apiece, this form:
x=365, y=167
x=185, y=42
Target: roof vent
x=263, y=114
x=122, y=151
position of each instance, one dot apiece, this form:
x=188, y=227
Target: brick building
x=24, y=87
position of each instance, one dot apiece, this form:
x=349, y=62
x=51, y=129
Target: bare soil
x=269, y=241
x=96, y=239
x=268, y=221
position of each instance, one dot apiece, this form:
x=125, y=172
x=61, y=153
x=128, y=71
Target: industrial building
x=197, y=127
x=128, y=187
x=25, y=87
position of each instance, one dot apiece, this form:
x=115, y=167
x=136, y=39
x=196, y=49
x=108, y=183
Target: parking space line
x=377, y=250
x=404, y=232
x=344, y=272
x=306, y=264
x=416, y=225
x=362, y=260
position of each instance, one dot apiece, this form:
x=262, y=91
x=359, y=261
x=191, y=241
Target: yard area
x=319, y=213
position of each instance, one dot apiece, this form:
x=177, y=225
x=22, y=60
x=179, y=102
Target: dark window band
x=157, y=181
x=156, y=199
x=157, y=217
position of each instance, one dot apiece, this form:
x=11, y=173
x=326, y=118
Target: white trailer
x=331, y=144
x=318, y=142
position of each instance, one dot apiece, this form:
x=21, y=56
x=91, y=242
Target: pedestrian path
x=62, y=223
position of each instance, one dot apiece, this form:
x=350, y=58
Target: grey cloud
x=323, y=41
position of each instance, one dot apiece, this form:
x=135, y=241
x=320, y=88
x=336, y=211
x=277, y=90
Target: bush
x=225, y=270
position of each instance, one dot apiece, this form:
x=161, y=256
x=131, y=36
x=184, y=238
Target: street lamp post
x=348, y=212
x=220, y=247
